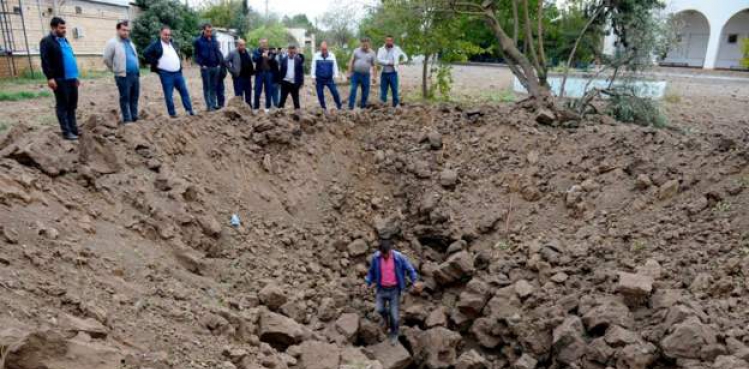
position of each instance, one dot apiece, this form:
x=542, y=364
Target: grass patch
x=23, y=95
x=638, y=246
x=500, y=96
x=672, y=97
x=722, y=207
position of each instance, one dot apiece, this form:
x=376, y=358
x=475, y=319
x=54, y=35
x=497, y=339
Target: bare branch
x=577, y=43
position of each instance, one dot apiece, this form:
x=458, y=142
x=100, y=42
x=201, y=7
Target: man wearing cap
x=387, y=273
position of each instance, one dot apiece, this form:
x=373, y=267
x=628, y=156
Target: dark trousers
x=170, y=81
x=276, y=94
x=330, y=83
x=129, y=88
x=263, y=81
x=389, y=81
x=363, y=80
x=243, y=88
x=66, y=102
x=221, y=91
x=210, y=85
x=387, y=304
x=289, y=88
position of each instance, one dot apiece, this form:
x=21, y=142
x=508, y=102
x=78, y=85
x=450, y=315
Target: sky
x=312, y=8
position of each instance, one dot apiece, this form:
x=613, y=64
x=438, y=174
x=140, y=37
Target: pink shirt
x=387, y=272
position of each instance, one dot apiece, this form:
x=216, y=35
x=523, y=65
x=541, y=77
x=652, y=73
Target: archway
x=693, y=31
x=732, y=36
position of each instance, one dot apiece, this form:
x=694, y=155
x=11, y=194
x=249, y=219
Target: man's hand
x=366, y=288
x=52, y=84
x=77, y=83
x=417, y=288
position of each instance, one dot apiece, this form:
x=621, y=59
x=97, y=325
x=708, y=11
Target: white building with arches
x=710, y=33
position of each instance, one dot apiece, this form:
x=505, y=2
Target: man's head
x=58, y=26
x=385, y=247
x=207, y=30
x=241, y=45
x=291, y=50
x=165, y=34
x=324, y=47
x=364, y=43
x=123, y=29
x=264, y=43
x=388, y=41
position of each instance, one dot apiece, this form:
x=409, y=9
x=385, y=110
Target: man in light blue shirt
x=61, y=69
x=121, y=58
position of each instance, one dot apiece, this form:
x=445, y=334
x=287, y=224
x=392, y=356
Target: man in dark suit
x=163, y=56
x=292, y=76
x=61, y=69
x=266, y=69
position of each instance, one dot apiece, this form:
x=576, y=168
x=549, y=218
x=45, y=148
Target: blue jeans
x=389, y=80
x=129, y=88
x=264, y=80
x=243, y=88
x=359, y=79
x=320, y=86
x=387, y=304
x=210, y=85
x=170, y=81
x=276, y=94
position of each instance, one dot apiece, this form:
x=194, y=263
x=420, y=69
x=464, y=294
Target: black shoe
x=192, y=114
x=71, y=137
x=173, y=116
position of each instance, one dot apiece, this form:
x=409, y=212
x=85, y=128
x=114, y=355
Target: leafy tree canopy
x=181, y=19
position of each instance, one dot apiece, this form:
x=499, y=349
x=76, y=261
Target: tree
x=339, y=21
x=230, y=14
x=275, y=33
x=299, y=21
x=181, y=19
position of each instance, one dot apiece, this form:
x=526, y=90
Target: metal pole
x=26, y=36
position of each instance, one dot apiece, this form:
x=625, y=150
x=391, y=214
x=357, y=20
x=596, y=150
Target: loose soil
x=603, y=245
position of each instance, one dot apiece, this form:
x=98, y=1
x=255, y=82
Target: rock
x=46, y=151
x=354, y=358
x=651, y=268
x=545, y=117
x=457, y=246
x=729, y=362
x=473, y=298
x=639, y=355
x=617, y=336
x=701, y=283
x=348, y=325
x=279, y=331
x=435, y=140
x=685, y=339
x=599, y=351
x=635, y=288
x=448, y=178
x=525, y=362
x=483, y=330
x=504, y=304
x=436, y=348
x=90, y=326
x=9, y=234
x=357, y=248
x=457, y=267
x=327, y=310
x=699, y=204
x=319, y=355
x=568, y=343
x=471, y=360
x=643, y=182
x=50, y=349
x=97, y=153
x=388, y=227
x=523, y=288
x=369, y=332
x=211, y=227
x=438, y=317
x=391, y=357
x=608, y=312
x=668, y=189
x=560, y=277
x=272, y=296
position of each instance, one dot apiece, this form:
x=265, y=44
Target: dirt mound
x=597, y=246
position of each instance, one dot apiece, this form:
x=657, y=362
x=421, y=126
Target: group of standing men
x=277, y=74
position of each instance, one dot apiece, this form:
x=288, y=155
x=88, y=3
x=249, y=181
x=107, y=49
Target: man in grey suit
x=239, y=63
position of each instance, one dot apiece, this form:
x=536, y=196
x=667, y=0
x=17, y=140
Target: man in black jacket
x=61, y=69
x=291, y=76
x=163, y=56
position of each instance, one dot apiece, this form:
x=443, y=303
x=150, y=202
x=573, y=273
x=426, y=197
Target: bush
x=181, y=19
x=638, y=110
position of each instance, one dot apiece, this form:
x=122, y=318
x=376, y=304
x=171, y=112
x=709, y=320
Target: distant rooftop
x=112, y=2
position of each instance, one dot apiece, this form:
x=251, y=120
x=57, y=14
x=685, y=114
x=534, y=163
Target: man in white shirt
x=388, y=57
x=163, y=56
x=324, y=71
x=292, y=74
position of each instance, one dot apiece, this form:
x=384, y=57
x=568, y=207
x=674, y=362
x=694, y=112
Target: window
x=733, y=38
x=78, y=10
x=17, y=9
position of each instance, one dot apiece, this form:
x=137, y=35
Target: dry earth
x=602, y=246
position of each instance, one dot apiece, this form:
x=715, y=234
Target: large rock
x=608, y=312
x=354, y=358
x=437, y=318
x=279, y=331
x=348, y=325
x=473, y=299
x=448, y=178
x=319, y=355
x=635, y=288
x=272, y=296
x=568, y=343
x=391, y=357
x=484, y=331
x=504, y=304
x=387, y=227
x=44, y=150
x=525, y=362
x=97, y=152
x=51, y=350
x=471, y=360
x=89, y=326
x=685, y=339
x=668, y=189
x=640, y=355
x=437, y=348
x=457, y=267
x=357, y=248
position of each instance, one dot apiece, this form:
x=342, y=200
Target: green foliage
x=275, y=33
x=444, y=81
x=230, y=14
x=23, y=95
x=181, y=19
x=745, y=51
x=565, y=28
x=642, y=111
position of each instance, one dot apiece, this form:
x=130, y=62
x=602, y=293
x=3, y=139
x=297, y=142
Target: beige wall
x=20, y=63
x=96, y=20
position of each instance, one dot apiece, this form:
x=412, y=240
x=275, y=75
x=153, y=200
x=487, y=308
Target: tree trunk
x=425, y=78
x=515, y=22
x=541, y=51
